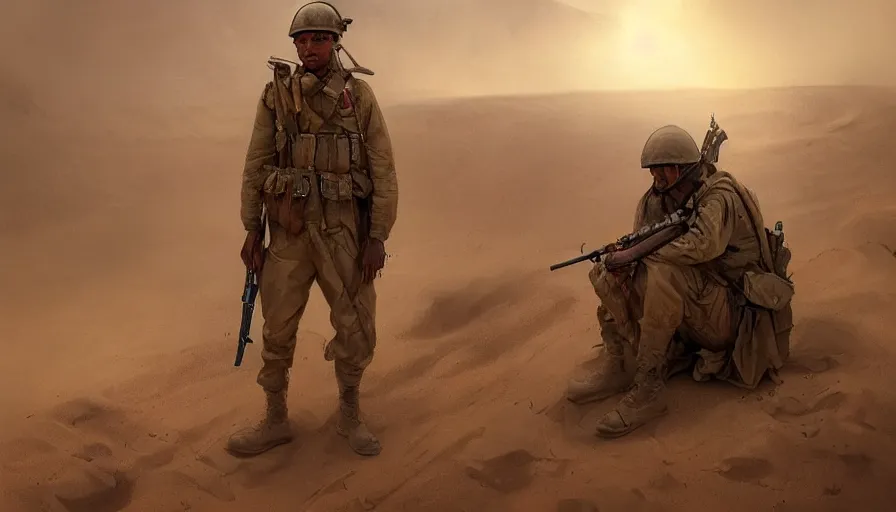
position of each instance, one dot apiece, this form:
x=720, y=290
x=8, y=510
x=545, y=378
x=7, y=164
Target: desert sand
x=121, y=302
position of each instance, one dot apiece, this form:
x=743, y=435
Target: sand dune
x=121, y=315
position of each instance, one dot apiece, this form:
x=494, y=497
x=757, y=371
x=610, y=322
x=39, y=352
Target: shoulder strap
x=350, y=99
x=268, y=95
x=279, y=97
x=751, y=205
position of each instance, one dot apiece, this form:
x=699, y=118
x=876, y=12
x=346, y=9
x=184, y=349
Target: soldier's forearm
x=706, y=240
x=384, y=205
x=250, y=211
x=251, y=192
x=380, y=233
x=692, y=249
x=252, y=223
x=251, y=197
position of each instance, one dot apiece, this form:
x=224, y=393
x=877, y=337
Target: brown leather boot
x=607, y=378
x=273, y=430
x=349, y=424
x=644, y=402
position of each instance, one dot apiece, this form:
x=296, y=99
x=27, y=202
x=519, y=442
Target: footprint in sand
x=814, y=364
x=745, y=469
x=83, y=411
x=93, y=451
x=506, y=473
x=857, y=464
x=872, y=414
x=664, y=481
x=91, y=491
x=783, y=407
x=114, y=450
x=514, y=470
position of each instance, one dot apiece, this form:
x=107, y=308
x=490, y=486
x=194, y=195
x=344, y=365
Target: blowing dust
x=517, y=129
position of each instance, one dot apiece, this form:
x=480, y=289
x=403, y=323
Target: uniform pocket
x=361, y=185
x=287, y=180
x=767, y=290
x=285, y=192
x=276, y=182
x=305, y=149
x=341, y=161
x=336, y=187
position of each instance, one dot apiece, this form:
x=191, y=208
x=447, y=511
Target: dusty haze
x=123, y=126
x=208, y=52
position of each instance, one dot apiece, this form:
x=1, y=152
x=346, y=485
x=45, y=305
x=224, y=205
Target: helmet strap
x=684, y=187
x=684, y=175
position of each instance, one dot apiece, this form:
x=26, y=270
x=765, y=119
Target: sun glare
x=652, y=49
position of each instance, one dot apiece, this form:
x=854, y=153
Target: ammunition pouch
x=285, y=193
x=321, y=176
x=767, y=290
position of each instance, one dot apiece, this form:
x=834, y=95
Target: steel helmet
x=669, y=145
x=318, y=16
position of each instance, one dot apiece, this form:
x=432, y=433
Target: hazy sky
x=735, y=43
x=129, y=54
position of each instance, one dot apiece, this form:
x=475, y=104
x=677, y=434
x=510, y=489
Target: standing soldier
x=320, y=163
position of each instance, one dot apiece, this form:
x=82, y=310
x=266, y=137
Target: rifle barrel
x=578, y=259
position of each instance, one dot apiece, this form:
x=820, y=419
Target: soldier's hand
x=618, y=263
x=252, y=252
x=615, y=262
x=611, y=247
x=373, y=258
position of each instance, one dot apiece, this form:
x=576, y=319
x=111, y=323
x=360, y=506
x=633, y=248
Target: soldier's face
x=663, y=176
x=314, y=49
